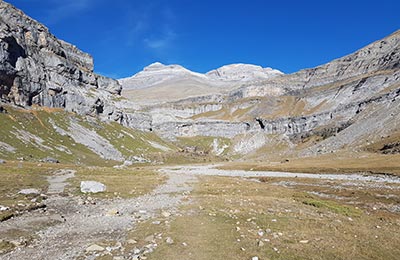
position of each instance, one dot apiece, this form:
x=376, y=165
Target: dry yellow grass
x=330, y=163
x=226, y=215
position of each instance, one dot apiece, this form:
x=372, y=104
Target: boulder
x=92, y=187
x=29, y=191
x=50, y=160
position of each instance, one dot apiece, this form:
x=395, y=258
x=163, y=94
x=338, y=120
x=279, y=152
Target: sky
x=124, y=36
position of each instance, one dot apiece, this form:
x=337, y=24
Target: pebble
x=184, y=244
x=260, y=243
x=94, y=247
x=131, y=241
x=169, y=240
x=303, y=241
x=156, y=222
x=113, y=212
x=3, y=208
x=254, y=258
x=149, y=238
x=165, y=214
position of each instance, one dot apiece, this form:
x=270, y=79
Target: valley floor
x=227, y=211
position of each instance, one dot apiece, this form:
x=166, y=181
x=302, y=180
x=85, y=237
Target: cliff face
x=38, y=69
x=348, y=103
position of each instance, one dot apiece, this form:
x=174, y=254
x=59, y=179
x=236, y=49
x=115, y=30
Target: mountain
x=350, y=105
x=158, y=82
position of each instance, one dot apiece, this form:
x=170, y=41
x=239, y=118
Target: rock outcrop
x=36, y=68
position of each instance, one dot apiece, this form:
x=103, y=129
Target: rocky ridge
x=158, y=82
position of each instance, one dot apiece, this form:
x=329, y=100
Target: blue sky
x=124, y=36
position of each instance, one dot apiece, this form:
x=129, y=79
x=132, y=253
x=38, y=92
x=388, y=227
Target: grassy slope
x=37, y=122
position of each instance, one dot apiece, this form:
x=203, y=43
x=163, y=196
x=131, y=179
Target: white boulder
x=92, y=187
x=29, y=191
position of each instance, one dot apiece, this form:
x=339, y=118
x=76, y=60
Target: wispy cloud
x=152, y=26
x=162, y=41
x=60, y=10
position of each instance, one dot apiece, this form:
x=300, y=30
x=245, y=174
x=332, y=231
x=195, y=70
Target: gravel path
x=77, y=226
x=57, y=182
x=211, y=170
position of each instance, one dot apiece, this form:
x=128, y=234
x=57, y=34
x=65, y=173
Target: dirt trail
x=77, y=226
x=212, y=170
x=57, y=182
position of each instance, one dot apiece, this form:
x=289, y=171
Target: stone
x=131, y=241
x=50, y=160
x=127, y=163
x=254, y=258
x=3, y=208
x=149, y=238
x=92, y=187
x=2, y=161
x=95, y=248
x=169, y=240
x=113, y=212
x=29, y=192
x=303, y=241
x=165, y=214
x=260, y=243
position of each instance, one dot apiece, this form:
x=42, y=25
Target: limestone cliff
x=36, y=68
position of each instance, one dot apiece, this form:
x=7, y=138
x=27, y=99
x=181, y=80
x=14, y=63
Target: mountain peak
x=157, y=66
x=243, y=72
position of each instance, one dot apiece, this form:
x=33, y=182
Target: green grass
x=333, y=206
x=39, y=124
